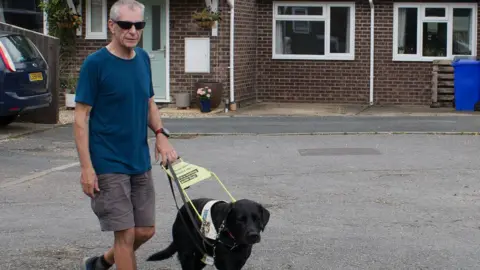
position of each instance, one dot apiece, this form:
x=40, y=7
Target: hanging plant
x=206, y=18
x=62, y=21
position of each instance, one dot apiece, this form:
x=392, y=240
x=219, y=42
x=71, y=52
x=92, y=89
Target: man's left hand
x=164, y=149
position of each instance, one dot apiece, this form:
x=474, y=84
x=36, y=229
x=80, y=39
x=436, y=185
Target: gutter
x=232, y=28
x=372, y=46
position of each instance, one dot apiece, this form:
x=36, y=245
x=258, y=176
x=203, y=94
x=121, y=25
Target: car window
x=20, y=48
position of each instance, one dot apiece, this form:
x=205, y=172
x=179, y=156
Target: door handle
x=164, y=50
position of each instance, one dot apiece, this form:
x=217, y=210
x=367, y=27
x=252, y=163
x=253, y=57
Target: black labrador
x=243, y=220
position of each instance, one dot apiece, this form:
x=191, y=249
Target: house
x=297, y=51
x=25, y=14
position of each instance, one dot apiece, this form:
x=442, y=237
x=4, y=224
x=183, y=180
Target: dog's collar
x=231, y=238
x=230, y=234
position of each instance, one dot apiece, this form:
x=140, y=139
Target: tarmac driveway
x=336, y=202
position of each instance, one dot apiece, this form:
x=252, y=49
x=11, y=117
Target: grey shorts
x=124, y=201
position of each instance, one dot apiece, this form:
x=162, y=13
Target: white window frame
x=326, y=18
x=421, y=19
x=79, y=11
x=88, y=21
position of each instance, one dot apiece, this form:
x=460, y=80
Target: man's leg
x=114, y=209
x=143, y=201
x=142, y=235
x=123, y=248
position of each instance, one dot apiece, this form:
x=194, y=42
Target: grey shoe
x=89, y=263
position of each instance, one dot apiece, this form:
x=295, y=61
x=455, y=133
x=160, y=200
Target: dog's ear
x=264, y=216
x=230, y=212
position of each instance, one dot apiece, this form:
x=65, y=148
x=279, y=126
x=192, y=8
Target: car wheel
x=7, y=120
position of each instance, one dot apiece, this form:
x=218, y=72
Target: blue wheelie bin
x=466, y=83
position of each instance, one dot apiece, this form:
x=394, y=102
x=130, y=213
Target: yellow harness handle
x=183, y=189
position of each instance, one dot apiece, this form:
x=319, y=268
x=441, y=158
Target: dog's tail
x=164, y=254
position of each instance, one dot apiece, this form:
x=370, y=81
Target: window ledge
x=425, y=59
x=342, y=57
x=97, y=36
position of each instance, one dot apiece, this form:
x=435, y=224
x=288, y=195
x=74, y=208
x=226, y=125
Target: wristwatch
x=163, y=131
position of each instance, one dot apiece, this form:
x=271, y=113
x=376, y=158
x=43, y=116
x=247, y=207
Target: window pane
x=407, y=30
x=300, y=37
x=435, y=12
x=20, y=49
x=140, y=42
x=340, y=30
x=462, y=31
x=97, y=15
x=291, y=10
x=434, y=39
x=156, y=28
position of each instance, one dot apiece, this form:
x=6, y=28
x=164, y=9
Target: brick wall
x=313, y=80
x=245, y=51
x=327, y=81
x=397, y=82
x=181, y=27
x=258, y=76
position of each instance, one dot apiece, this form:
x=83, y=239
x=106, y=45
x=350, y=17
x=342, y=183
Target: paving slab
x=336, y=202
x=171, y=112
x=316, y=109
x=298, y=109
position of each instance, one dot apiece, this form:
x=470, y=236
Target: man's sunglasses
x=128, y=25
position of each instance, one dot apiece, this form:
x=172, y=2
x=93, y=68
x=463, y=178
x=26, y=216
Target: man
x=115, y=96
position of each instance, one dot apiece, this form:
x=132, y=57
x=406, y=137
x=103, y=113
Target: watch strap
x=161, y=131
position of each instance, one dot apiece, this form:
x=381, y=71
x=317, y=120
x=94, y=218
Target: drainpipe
x=71, y=5
x=232, y=20
x=372, y=46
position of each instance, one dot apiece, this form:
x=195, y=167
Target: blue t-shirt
x=118, y=91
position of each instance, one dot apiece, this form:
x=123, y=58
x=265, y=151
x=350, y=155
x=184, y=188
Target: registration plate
x=38, y=76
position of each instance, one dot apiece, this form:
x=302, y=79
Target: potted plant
x=68, y=85
x=204, y=95
x=206, y=18
x=216, y=91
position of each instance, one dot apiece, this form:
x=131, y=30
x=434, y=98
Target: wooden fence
x=50, y=48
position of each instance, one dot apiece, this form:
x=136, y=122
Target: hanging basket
x=206, y=18
x=206, y=24
x=65, y=25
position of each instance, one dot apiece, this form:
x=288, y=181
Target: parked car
x=23, y=77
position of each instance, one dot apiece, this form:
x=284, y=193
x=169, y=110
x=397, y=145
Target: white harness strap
x=208, y=228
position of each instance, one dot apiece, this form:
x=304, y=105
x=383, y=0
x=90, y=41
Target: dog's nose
x=253, y=237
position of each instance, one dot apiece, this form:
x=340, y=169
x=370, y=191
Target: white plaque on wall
x=197, y=55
